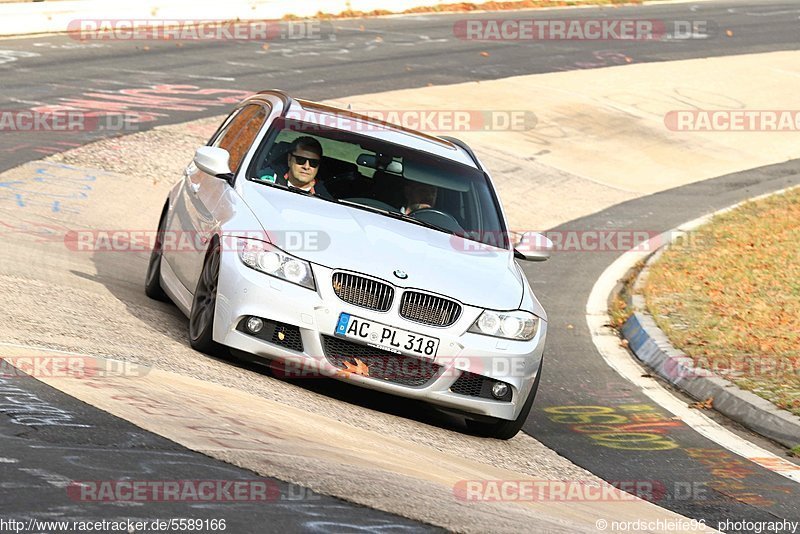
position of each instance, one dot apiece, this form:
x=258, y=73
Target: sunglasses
x=314, y=162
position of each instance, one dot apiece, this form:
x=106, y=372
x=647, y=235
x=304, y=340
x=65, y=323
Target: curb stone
x=651, y=346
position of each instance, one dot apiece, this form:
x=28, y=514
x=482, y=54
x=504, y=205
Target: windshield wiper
x=398, y=215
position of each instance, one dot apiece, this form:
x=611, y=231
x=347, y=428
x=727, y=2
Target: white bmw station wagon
x=365, y=251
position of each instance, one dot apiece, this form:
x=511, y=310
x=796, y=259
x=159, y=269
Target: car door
x=193, y=221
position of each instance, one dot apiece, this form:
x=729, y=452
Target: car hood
x=343, y=237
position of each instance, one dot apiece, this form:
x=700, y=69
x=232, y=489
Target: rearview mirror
x=214, y=161
x=533, y=246
x=371, y=161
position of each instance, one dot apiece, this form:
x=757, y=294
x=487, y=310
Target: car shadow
x=416, y=410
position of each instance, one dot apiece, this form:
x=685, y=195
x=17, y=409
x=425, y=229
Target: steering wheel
x=438, y=218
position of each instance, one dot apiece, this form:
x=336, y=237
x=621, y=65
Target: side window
x=241, y=132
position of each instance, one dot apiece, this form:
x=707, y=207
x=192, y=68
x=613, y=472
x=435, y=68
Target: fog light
x=254, y=324
x=499, y=390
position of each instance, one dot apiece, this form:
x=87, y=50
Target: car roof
x=325, y=115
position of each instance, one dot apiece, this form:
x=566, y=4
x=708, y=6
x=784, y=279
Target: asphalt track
x=44, y=464
x=710, y=484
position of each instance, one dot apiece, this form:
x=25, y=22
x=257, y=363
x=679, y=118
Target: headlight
x=518, y=324
x=273, y=261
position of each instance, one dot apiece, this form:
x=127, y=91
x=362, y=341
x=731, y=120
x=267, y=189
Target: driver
x=303, y=158
x=418, y=196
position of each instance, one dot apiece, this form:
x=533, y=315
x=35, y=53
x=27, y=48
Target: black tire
x=503, y=428
x=152, y=281
x=204, y=303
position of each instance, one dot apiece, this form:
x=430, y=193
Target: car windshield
x=390, y=179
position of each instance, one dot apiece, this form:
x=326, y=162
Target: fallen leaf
x=360, y=368
x=729, y=33
x=485, y=54
x=707, y=404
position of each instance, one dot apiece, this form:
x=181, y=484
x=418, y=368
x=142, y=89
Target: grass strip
x=729, y=297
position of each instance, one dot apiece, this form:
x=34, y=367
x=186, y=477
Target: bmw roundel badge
x=401, y=274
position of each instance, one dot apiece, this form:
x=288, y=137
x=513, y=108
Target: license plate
x=386, y=337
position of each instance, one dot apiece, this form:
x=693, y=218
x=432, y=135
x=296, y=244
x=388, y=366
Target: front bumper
x=244, y=292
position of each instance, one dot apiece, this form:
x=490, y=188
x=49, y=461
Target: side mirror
x=214, y=161
x=533, y=246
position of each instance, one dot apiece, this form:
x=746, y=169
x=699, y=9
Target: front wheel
x=204, y=303
x=152, y=281
x=503, y=428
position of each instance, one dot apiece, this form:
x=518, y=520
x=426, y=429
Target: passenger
x=418, y=196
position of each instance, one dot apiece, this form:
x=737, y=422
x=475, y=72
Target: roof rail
x=287, y=100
